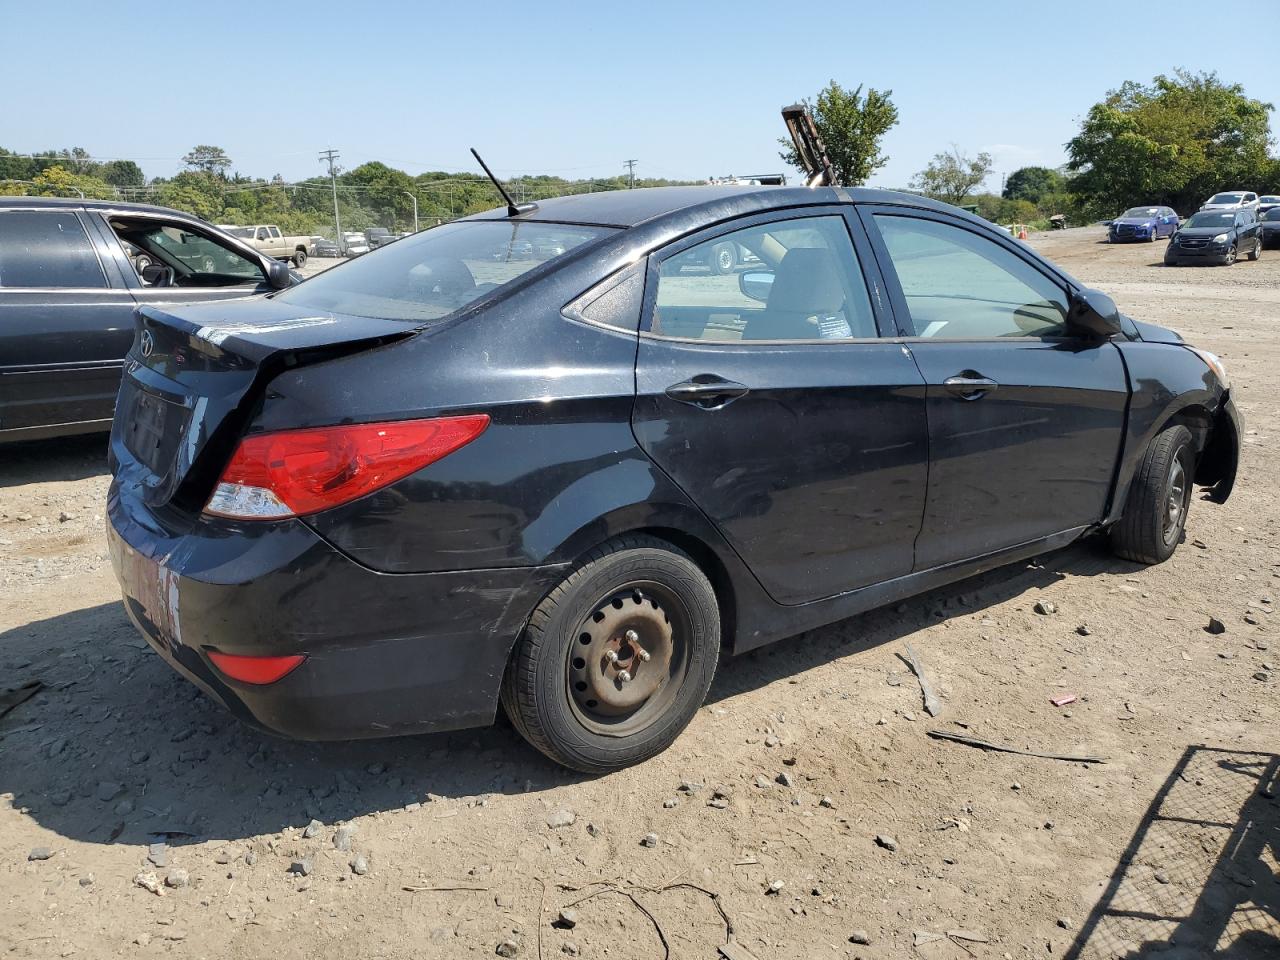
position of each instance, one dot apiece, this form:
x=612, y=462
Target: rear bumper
x=385, y=653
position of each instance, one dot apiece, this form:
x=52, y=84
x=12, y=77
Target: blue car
x=1143, y=223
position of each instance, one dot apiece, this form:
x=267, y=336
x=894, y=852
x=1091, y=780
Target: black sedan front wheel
x=617, y=659
x=1155, y=513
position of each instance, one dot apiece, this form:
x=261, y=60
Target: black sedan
x=1271, y=228
x=1215, y=237
x=444, y=476
x=72, y=272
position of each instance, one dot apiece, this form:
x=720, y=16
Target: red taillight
x=296, y=472
x=255, y=669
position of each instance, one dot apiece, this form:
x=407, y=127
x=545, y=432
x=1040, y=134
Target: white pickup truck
x=268, y=239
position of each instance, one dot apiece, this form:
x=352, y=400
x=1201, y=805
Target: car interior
x=802, y=282
x=172, y=255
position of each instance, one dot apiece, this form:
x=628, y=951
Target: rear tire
x=564, y=690
x=1155, y=513
x=300, y=258
x=1256, y=252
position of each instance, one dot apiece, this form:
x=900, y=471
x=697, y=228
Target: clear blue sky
x=688, y=89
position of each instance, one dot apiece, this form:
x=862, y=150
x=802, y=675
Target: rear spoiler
x=811, y=151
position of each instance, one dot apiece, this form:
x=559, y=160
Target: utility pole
x=331, y=155
x=631, y=168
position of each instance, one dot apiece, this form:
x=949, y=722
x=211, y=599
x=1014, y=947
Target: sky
x=688, y=90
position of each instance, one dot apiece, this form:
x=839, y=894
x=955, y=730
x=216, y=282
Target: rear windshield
x=1211, y=219
x=439, y=271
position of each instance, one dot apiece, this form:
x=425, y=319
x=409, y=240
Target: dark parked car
x=1215, y=237
x=441, y=478
x=71, y=274
x=1271, y=228
x=1267, y=203
x=1143, y=223
x=323, y=247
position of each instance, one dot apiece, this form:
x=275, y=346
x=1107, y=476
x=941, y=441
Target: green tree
x=194, y=192
x=951, y=176
x=1174, y=141
x=123, y=173
x=851, y=126
x=1032, y=183
x=208, y=159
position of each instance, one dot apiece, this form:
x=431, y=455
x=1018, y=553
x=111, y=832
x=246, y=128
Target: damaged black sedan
x=548, y=458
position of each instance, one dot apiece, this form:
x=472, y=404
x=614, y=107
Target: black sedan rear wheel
x=617, y=659
x=1155, y=513
x=1256, y=252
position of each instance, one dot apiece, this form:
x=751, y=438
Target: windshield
x=439, y=271
x=1269, y=199
x=1272, y=215
x=1226, y=198
x=1224, y=219
x=1140, y=213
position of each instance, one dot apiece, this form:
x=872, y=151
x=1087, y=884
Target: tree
x=208, y=159
x=851, y=127
x=1174, y=141
x=952, y=175
x=1032, y=183
x=123, y=173
x=194, y=192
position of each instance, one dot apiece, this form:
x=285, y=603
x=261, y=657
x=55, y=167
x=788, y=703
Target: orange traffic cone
x=1022, y=234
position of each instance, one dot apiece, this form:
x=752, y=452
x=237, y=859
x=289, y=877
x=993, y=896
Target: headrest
x=807, y=281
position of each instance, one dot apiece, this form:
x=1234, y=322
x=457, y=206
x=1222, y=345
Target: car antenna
x=513, y=209
x=810, y=150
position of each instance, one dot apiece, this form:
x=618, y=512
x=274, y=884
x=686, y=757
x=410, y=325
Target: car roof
x=116, y=206
x=629, y=208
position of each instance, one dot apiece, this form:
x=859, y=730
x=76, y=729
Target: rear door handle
x=707, y=391
x=970, y=385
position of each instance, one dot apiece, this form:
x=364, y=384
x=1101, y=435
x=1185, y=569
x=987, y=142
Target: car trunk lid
x=196, y=374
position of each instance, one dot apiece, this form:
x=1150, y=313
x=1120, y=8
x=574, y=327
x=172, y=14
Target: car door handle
x=707, y=391
x=970, y=386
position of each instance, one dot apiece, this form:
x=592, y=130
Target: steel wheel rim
x=1176, y=501
x=642, y=617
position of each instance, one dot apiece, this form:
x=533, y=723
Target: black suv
x=1215, y=236
x=71, y=274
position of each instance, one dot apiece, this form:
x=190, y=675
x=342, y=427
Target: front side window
x=40, y=248
x=960, y=285
x=786, y=280
x=437, y=272
x=174, y=255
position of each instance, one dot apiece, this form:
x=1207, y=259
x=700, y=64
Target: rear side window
x=436, y=273
x=793, y=279
x=960, y=285
x=41, y=248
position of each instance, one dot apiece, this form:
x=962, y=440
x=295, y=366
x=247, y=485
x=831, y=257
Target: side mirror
x=1095, y=313
x=279, y=275
x=756, y=285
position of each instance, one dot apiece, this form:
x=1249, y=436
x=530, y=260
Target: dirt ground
x=1172, y=846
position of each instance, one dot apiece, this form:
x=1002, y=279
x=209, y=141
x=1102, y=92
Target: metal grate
x=1202, y=873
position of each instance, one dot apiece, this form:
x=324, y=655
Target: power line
x=631, y=168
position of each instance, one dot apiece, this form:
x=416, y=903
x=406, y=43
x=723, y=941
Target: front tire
x=617, y=659
x=1231, y=256
x=723, y=258
x=1155, y=513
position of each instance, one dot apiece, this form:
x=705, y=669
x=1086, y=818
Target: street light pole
x=414, y=198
